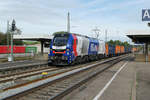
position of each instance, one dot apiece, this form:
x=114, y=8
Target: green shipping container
x=31, y=50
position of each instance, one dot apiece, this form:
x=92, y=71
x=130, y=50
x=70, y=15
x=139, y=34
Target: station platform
x=131, y=83
x=143, y=80
x=140, y=56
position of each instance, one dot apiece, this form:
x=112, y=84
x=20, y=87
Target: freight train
x=69, y=48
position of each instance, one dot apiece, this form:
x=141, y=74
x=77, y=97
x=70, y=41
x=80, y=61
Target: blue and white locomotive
x=69, y=48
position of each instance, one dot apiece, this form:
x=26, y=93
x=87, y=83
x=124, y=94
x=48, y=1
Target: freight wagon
x=101, y=49
x=122, y=49
x=117, y=50
x=134, y=49
x=106, y=50
x=111, y=50
x=127, y=49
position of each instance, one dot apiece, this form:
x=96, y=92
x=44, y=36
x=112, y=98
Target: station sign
x=145, y=14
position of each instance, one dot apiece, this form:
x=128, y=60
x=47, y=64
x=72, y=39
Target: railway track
x=5, y=78
x=56, y=86
x=10, y=68
x=13, y=80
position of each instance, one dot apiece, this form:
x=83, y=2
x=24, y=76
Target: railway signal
x=13, y=31
x=13, y=28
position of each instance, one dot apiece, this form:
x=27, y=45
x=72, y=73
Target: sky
x=38, y=17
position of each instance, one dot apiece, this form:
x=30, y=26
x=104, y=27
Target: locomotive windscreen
x=60, y=40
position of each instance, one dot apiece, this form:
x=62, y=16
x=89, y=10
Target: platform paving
x=131, y=83
x=143, y=81
x=123, y=87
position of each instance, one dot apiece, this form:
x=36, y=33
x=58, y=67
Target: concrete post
x=8, y=38
x=143, y=48
x=42, y=47
x=146, y=52
x=68, y=23
x=12, y=58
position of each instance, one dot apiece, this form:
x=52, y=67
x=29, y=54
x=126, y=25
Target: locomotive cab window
x=60, y=40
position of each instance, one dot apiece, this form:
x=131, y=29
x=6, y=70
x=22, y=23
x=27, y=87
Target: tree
x=126, y=43
x=3, y=40
x=111, y=42
x=18, y=42
x=118, y=42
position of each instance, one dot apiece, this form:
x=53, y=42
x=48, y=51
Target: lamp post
x=68, y=22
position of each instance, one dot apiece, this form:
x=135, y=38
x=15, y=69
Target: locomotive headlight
x=67, y=53
x=68, y=50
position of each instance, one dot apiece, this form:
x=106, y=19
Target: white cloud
x=48, y=16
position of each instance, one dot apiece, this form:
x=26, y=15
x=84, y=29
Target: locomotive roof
x=79, y=35
x=83, y=36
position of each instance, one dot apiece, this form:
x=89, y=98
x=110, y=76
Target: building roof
x=139, y=36
x=34, y=37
